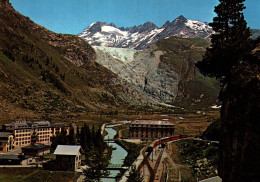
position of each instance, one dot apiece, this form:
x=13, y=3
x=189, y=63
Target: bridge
x=108, y=140
x=116, y=167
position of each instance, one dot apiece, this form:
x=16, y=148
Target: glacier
x=122, y=54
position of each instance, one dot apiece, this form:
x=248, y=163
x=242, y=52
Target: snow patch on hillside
x=196, y=25
x=111, y=29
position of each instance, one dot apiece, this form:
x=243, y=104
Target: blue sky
x=72, y=16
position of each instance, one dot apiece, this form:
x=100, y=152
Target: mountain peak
x=181, y=18
x=166, y=24
x=148, y=26
x=95, y=27
x=112, y=25
x=178, y=22
x=143, y=36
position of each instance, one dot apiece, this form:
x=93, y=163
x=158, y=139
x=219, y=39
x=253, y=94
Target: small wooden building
x=68, y=157
x=35, y=150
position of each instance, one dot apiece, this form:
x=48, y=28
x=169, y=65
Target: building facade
x=151, y=129
x=57, y=128
x=23, y=130
x=68, y=157
x=6, y=142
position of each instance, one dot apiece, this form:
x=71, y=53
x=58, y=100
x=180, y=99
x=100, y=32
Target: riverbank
x=118, y=155
x=132, y=149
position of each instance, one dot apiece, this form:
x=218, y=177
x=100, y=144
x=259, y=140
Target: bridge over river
x=117, y=157
x=116, y=167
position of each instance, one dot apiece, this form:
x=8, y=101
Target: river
x=117, y=156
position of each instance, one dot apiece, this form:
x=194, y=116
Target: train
x=168, y=139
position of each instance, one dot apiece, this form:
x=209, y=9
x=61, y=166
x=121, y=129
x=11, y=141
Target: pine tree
x=97, y=168
x=135, y=176
x=99, y=141
x=93, y=134
x=83, y=138
x=231, y=42
x=89, y=138
x=60, y=139
x=71, y=137
x=230, y=60
x=77, y=135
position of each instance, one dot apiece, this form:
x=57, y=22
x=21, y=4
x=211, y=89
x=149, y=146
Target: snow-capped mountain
x=143, y=36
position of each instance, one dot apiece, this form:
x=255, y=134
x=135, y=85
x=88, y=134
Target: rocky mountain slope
x=165, y=72
x=43, y=74
x=143, y=36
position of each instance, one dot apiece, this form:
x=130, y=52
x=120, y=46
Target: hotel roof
x=152, y=122
x=32, y=124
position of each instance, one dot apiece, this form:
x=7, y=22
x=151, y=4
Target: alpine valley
x=104, y=68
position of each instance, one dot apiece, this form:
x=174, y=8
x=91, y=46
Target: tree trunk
x=240, y=137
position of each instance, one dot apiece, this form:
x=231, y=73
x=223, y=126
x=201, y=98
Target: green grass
x=198, y=42
x=49, y=156
x=34, y=175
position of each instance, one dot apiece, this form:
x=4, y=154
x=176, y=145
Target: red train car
x=164, y=140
